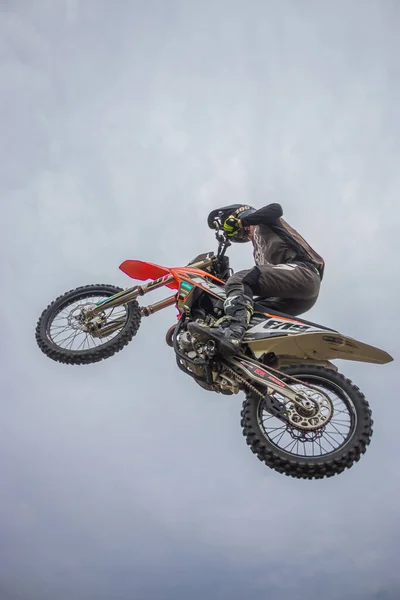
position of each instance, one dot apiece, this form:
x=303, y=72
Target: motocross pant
x=290, y=288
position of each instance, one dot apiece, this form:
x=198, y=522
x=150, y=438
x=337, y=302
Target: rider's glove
x=231, y=226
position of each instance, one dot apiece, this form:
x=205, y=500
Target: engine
x=198, y=353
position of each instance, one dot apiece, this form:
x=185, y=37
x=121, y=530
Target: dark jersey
x=276, y=242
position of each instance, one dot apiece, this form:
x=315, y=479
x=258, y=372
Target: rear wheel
x=311, y=454
x=64, y=336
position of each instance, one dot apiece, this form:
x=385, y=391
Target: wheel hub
x=314, y=412
x=79, y=318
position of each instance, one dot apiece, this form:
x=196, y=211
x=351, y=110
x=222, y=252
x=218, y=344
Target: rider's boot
x=228, y=332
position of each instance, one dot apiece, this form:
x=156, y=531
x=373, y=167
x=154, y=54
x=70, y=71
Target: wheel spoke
x=275, y=428
x=330, y=443
x=339, y=432
x=66, y=331
x=67, y=338
x=323, y=451
x=82, y=343
x=291, y=443
x=60, y=332
x=77, y=332
x=279, y=435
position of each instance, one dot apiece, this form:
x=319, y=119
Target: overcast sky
x=122, y=124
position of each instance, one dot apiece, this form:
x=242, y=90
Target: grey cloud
x=121, y=128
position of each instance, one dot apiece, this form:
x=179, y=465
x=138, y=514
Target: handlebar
x=223, y=242
x=219, y=231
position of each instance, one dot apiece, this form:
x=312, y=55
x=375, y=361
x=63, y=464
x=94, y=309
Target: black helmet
x=236, y=210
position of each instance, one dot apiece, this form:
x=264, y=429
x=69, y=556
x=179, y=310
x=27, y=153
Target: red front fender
x=137, y=269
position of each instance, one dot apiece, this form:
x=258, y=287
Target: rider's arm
x=263, y=216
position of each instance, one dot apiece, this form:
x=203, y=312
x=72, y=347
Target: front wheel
x=313, y=454
x=61, y=332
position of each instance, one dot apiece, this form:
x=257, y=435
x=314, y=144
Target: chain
x=244, y=381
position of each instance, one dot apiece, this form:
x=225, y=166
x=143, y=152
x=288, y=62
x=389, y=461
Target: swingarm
x=306, y=410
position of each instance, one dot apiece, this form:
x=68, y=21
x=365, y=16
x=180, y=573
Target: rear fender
x=319, y=346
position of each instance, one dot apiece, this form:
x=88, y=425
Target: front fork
x=125, y=297
x=130, y=294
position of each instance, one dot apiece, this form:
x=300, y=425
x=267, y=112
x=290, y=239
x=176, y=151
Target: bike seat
x=262, y=305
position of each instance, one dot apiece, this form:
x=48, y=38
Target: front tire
x=81, y=355
x=296, y=464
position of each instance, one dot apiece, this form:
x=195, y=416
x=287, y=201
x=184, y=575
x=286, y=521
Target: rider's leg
x=238, y=309
x=298, y=283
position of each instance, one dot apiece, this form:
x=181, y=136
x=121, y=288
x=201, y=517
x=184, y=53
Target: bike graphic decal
x=185, y=289
x=186, y=286
x=214, y=289
x=100, y=302
x=280, y=325
x=159, y=280
x=262, y=373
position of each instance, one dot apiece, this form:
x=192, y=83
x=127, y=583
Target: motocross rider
x=288, y=272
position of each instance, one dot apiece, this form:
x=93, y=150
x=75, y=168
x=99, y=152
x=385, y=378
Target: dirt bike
x=300, y=416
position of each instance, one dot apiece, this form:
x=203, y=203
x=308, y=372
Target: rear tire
x=91, y=355
x=315, y=467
